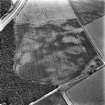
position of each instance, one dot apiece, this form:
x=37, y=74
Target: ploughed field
x=36, y=59
x=52, y=53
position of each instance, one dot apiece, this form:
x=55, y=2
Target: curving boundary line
x=5, y=19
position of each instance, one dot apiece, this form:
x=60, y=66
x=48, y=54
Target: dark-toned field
x=88, y=11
